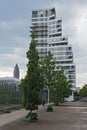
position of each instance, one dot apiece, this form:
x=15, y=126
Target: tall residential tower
x=48, y=37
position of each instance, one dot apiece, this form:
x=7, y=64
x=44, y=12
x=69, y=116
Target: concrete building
x=10, y=82
x=48, y=37
x=12, y=94
x=13, y=86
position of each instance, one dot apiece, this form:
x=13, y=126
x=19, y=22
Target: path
x=70, y=116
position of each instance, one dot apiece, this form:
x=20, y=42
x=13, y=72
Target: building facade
x=12, y=94
x=12, y=86
x=48, y=37
x=10, y=82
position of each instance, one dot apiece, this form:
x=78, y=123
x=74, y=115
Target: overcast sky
x=15, y=20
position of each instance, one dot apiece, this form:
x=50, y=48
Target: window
x=59, y=30
x=34, y=13
x=52, y=11
x=59, y=21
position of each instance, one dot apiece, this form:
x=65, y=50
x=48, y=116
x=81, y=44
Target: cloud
x=74, y=14
x=15, y=22
x=82, y=79
x=15, y=39
x=10, y=59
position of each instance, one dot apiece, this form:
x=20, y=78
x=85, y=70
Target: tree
x=48, y=69
x=31, y=84
x=61, y=88
x=83, y=91
x=4, y=94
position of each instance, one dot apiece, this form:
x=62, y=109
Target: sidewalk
x=9, y=117
x=70, y=116
x=17, y=114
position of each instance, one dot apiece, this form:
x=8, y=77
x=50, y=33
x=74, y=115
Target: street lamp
x=48, y=95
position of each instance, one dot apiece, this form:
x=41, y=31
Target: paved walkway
x=69, y=116
x=9, y=117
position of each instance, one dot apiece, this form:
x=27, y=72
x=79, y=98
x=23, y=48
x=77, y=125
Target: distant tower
x=16, y=72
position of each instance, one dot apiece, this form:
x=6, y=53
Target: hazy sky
x=15, y=20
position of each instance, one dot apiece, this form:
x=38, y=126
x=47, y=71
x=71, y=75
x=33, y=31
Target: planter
x=49, y=108
x=31, y=117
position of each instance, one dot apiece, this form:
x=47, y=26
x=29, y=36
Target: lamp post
x=48, y=95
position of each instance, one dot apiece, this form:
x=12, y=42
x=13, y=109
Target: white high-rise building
x=48, y=36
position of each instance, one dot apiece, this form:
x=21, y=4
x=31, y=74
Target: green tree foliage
x=83, y=91
x=61, y=87
x=4, y=94
x=48, y=69
x=31, y=84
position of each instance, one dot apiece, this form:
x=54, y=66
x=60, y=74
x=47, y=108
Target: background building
x=48, y=37
x=16, y=72
x=12, y=85
x=11, y=82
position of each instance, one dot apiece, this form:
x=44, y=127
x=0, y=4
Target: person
x=43, y=102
